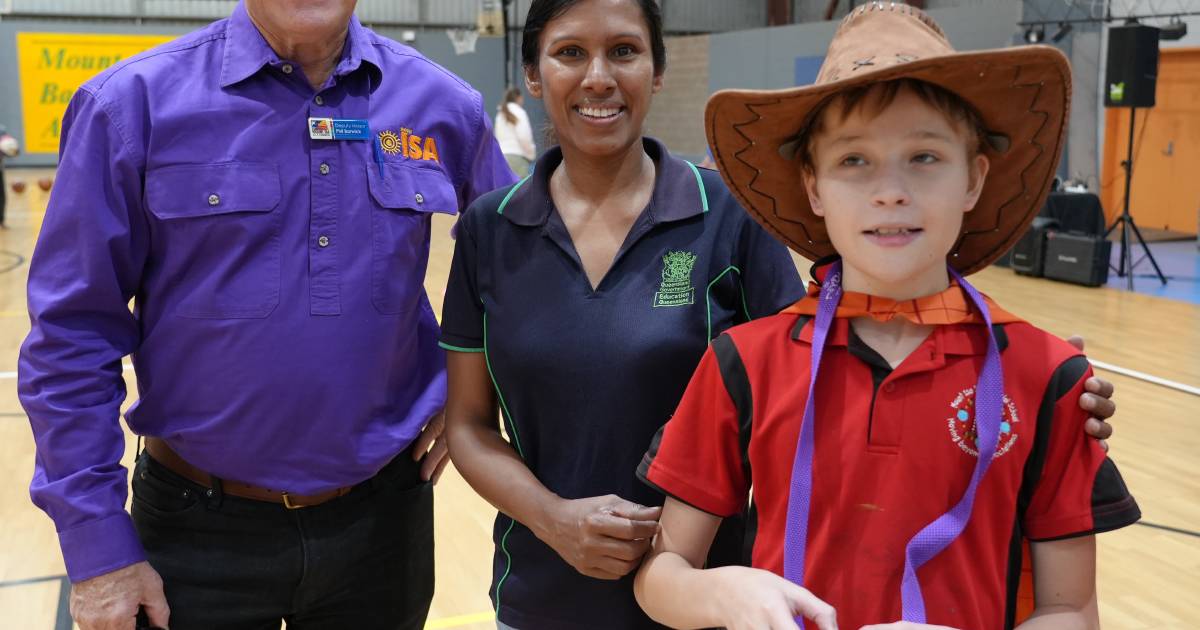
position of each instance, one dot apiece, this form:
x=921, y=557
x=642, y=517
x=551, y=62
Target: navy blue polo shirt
x=586, y=378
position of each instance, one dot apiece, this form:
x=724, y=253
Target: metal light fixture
x=1035, y=34
x=1174, y=30
x=1064, y=28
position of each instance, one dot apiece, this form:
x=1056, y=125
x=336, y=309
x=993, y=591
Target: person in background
x=9, y=147
x=514, y=133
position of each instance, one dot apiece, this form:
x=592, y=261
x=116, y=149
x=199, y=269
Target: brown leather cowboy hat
x=1022, y=93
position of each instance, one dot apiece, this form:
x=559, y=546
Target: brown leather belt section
x=171, y=460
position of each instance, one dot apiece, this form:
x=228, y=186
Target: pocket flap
x=413, y=187
x=195, y=190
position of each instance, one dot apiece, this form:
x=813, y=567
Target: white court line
x=125, y=367
x=1108, y=367
x=1149, y=378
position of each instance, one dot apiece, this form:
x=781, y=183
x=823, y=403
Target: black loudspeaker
x=1132, y=66
x=1077, y=258
x=1027, y=255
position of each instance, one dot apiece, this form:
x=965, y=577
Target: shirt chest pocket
x=216, y=235
x=404, y=197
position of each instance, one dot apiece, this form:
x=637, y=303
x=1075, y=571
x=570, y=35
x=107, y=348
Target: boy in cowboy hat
x=941, y=430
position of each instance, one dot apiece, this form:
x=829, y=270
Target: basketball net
x=463, y=39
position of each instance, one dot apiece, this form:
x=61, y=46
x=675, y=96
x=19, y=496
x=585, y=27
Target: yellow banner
x=54, y=65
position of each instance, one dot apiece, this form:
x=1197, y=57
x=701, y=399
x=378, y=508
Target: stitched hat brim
x=1021, y=93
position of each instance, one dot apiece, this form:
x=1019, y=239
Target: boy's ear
x=975, y=180
x=658, y=83
x=810, y=187
x=533, y=82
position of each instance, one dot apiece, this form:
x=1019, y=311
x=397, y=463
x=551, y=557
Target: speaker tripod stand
x=1125, y=221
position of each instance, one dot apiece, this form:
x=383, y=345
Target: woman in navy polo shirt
x=580, y=301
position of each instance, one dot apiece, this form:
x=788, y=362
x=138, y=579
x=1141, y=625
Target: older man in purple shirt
x=262, y=190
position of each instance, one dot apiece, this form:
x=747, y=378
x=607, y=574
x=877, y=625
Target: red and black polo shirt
x=894, y=450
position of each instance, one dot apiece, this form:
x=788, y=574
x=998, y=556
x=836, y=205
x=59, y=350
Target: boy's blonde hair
x=873, y=98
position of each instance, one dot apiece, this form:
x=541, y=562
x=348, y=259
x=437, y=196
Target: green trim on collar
x=700, y=183
x=512, y=191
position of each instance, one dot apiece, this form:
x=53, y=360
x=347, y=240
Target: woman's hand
x=602, y=537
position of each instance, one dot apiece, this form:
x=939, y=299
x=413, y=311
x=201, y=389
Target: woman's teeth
x=598, y=112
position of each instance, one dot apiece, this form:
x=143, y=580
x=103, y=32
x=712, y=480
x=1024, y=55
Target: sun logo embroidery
x=676, y=288
x=409, y=144
x=389, y=142
x=966, y=435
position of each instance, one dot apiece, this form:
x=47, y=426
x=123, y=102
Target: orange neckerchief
x=951, y=306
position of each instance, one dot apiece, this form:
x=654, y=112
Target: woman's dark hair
x=510, y=96
x=541, y=12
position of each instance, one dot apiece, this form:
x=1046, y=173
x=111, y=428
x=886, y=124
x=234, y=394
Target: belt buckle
x=287, y=503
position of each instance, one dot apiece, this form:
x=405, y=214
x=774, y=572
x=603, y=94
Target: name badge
x=338, y=129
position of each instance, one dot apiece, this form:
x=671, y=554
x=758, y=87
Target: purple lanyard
x=936, y=536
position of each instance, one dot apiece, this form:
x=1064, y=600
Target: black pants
x=363, y=561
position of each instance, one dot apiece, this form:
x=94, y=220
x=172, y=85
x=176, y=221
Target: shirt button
x=323, y=241
x=889, y=387
x=324, y=169
x=420, y=198
x=319, y=100
x=287, y=68
x=214, y=199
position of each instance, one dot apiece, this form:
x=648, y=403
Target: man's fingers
x=432, y=431
x=635, y=512
x=1077, y=341
x=1097, y=429
x=437, y=473
x=434, y=460
x=625, y=529
x=620, y=568
x=625, y=550
x=1100, y=387
x=157, y=612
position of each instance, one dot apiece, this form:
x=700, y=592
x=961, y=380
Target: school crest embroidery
x=676, y=288
x=962, y=424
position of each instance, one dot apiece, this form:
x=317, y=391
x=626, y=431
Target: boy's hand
x=906, y=625
x=1097, y=400
x=601, y=537
x=753, y=599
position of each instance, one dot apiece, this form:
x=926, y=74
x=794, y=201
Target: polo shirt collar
x=957, y=339
x=247, y=51
x=678, y=189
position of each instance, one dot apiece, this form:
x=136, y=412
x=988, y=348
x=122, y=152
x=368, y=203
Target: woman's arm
x=602, y=537
x=1064, y=582
x=674, y=591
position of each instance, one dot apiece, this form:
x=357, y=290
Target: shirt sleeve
x=462, y=311
x=1079, y=491
x=697, y=457
x=769, y=277
x=487, y=169
x=86, y=267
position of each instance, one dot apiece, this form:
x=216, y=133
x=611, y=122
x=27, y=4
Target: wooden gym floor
x=1149, y=574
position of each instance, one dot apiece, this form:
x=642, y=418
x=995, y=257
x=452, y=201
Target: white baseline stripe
x=125, y=367
x=1149, y=378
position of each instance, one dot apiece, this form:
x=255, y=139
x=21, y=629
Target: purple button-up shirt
x=281, y=335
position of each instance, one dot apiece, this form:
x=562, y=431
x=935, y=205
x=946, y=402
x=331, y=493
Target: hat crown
x=878, y=35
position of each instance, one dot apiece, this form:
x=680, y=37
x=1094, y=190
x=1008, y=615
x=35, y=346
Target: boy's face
x=893, y=187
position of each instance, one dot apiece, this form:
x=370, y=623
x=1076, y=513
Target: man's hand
x=110, y=601
x=601, y=537
x=430, y=448
x=1097, y=400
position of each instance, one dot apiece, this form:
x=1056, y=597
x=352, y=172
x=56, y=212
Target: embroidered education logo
x=964, y=432
x=676, y=288
x=409, y=144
